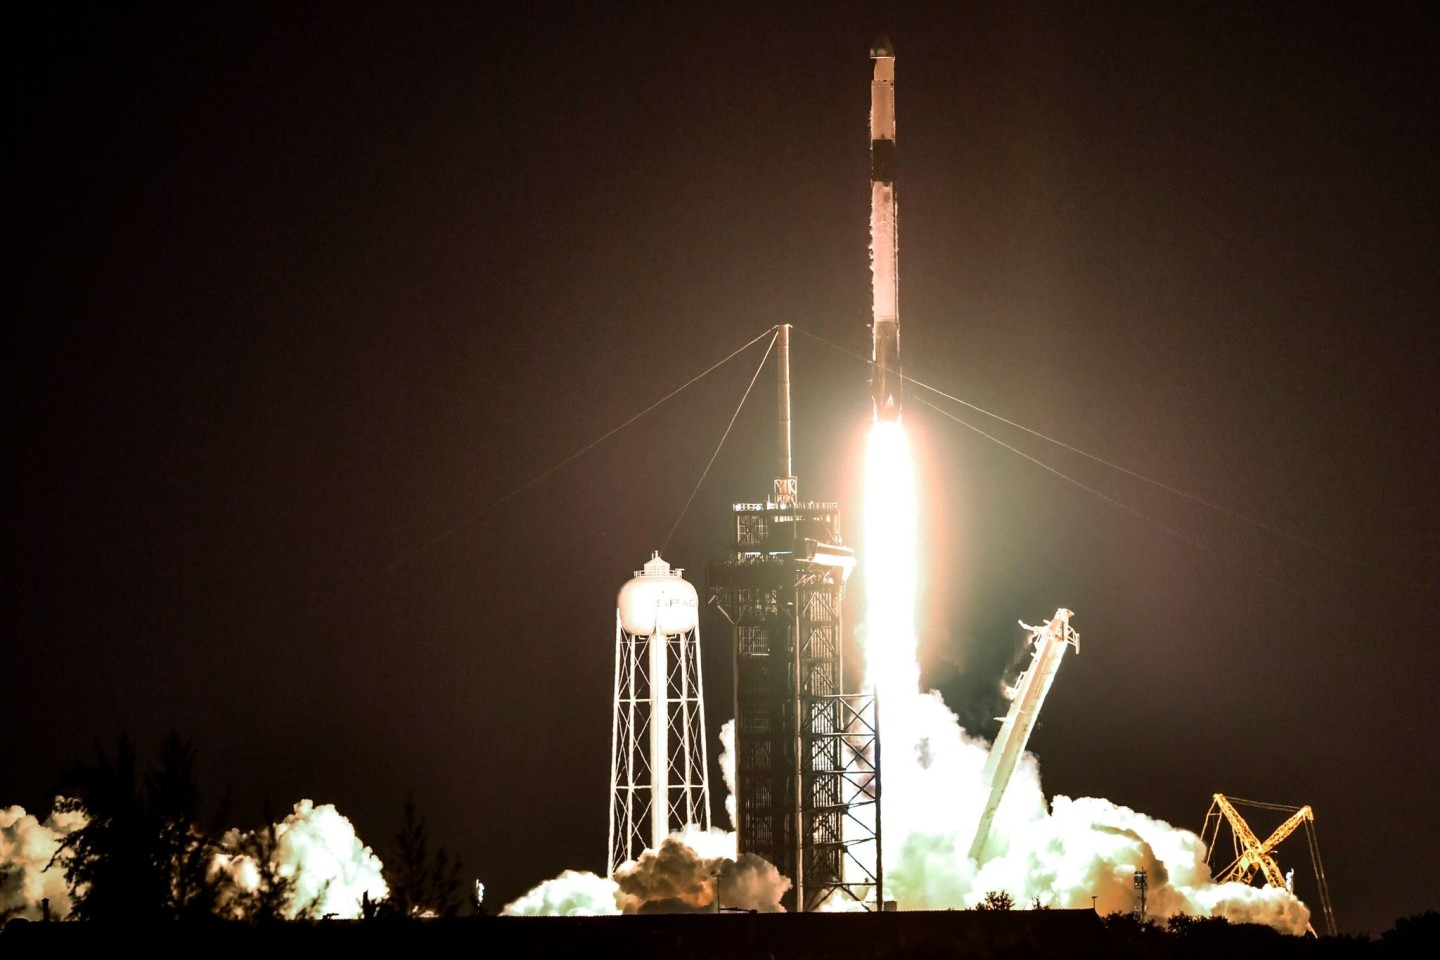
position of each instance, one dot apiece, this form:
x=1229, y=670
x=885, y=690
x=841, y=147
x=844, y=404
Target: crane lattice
x=1254, y=856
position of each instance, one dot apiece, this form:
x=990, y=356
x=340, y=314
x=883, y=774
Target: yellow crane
x=1252, y=855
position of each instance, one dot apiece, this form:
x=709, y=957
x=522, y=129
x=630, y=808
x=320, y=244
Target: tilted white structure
x=659, y=771
x=1049, y=640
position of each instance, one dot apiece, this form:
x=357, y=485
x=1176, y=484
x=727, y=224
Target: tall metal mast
x=786, y=486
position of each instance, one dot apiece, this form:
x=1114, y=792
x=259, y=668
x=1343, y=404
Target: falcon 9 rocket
x=884, y=260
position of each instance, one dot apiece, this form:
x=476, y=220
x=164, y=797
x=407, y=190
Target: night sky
x=299, y=294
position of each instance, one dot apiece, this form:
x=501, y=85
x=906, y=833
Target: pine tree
x=141, y=857
x=419, y=884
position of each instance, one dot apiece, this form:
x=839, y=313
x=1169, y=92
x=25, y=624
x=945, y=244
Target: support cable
x=1286, y=807
x=1097, y=459
x=477, y=515
x=723, y=437
x=1126, y=470
x=1330, y=926
x=1103, y=496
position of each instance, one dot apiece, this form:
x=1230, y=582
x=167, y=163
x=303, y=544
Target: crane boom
x=1287, y=828
x=1253, y=855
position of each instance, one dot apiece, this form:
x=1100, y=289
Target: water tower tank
x=658, y=600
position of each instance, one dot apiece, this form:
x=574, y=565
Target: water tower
x=659, y=780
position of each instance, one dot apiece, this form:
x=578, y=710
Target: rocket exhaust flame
x=891, y=657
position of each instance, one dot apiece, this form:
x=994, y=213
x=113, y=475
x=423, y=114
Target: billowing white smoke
x=691, y=868
x=27, y=846
x=1062, y=853
x=575, y=893
x=684, y=875
x=315, y=847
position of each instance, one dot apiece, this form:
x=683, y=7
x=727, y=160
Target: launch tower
x=805, y=751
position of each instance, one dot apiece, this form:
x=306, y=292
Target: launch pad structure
x=806, y=752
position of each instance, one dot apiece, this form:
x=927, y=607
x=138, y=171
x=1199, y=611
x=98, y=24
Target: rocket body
x=884, y=259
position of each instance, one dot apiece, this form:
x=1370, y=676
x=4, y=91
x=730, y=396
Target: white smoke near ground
x=1056, y=854
x=316, y=848
x=667, y=880
x=574, y=893
x=1061, y=853
x=685, y=875
x=27, y=846
x=753, y=883
x=696, y=870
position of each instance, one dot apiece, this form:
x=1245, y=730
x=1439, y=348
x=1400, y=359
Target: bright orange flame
x=891, y=660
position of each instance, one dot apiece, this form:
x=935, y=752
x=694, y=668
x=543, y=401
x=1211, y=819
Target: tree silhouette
x=996, y=900
x=419, y=884
x=107, y=862
x=173, y=800
x=141, y=857
x=1414, y=935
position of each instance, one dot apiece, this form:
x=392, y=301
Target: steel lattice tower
x=806, y=752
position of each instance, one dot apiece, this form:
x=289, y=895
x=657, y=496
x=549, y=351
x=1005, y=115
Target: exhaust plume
x=575, y=893
x=317, y=850
x=1062, y=853
x=27, y=846
x=683, y=876
x=678, y=878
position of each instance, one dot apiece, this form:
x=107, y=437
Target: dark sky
x=297, y=292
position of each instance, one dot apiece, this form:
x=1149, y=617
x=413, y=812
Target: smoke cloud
x=316, y=849
x=753, y=883
x=683, y=876
x=26, y=848
x=1061, y=853
x=691, y=868
x=575, y=893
